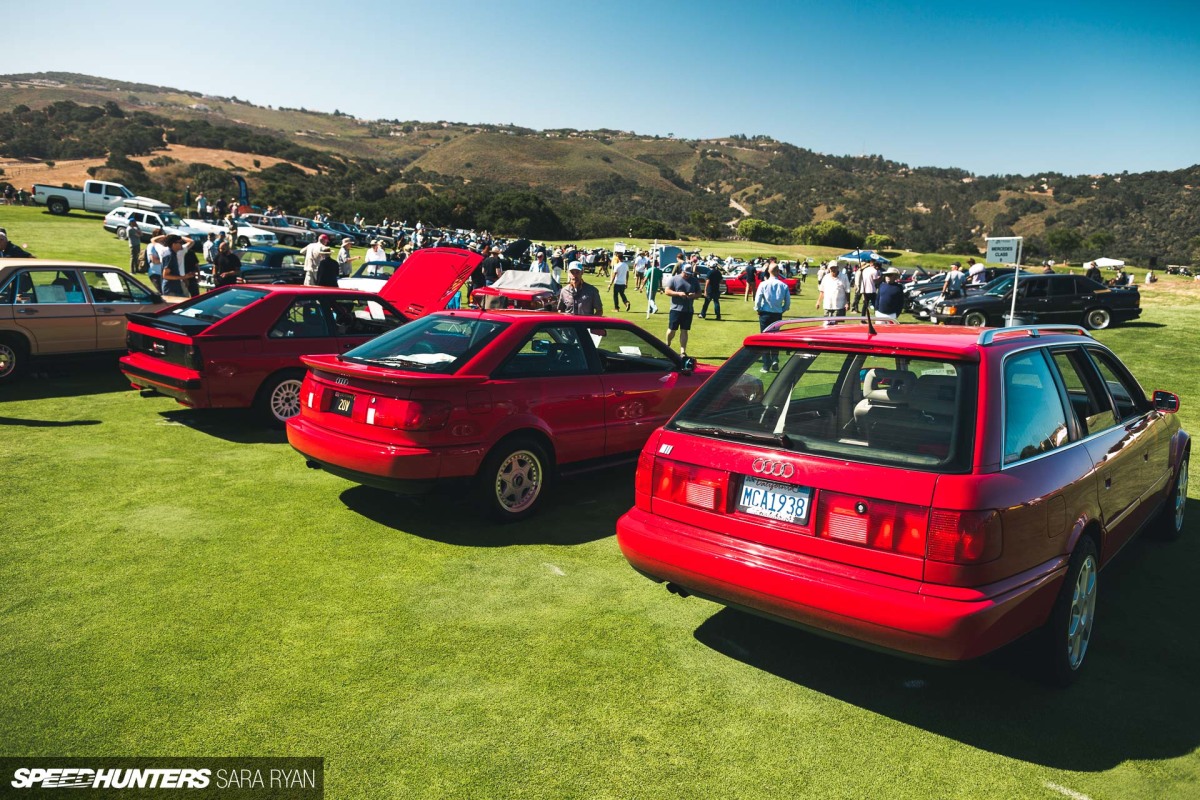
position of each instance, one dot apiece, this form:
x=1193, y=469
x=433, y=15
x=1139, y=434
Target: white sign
x=1006, y=250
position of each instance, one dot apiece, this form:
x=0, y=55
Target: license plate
x=774, y=500
x=341, y=403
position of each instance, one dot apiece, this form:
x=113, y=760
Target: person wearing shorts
x=683, y=289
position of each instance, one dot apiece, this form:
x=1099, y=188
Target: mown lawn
x=175, y=582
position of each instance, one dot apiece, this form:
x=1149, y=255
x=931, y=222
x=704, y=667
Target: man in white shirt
x=312, y=257
x=870, y=284
x=375, y=253
x=834, y=294
x=975, y=272
x=344, y=259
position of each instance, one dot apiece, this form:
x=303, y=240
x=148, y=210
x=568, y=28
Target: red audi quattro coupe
x=240, y=346
x=923, y=489
x=500, y=399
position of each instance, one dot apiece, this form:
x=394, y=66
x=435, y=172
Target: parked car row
x=935, y=491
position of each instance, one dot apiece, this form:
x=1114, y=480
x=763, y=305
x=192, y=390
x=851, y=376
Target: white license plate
x=774, y=500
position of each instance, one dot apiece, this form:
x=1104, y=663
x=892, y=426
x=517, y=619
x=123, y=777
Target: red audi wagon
x=934, y=491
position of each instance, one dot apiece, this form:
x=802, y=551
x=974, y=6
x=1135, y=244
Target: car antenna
x=870, y=325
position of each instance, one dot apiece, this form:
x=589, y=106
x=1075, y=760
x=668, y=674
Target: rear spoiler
x=331, y=367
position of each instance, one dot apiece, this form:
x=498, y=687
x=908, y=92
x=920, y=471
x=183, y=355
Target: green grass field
x=175, y=582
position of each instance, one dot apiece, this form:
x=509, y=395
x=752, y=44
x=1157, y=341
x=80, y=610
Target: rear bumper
x=393, y=467
x=184, y=385
x=850, y=603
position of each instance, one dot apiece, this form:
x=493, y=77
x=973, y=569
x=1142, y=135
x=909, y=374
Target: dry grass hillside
x=27, y=173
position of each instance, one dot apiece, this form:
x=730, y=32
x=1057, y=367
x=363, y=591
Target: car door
x=641, y=382
x=113, y=295
x=50, y=306
x=1033, y=298
x=1117, y=436
x=550, y=377
x=359, y=319
x=1065, y=303
x=1143, y=441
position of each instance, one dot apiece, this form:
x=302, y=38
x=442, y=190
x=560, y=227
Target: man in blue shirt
x=771, y=300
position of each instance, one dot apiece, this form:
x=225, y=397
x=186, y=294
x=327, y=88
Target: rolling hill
x=606, y=182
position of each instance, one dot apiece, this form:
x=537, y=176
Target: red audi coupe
x=500, y=400
x=240, y=346
x=934, y=491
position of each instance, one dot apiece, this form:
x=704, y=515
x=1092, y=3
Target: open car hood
x=428, y=279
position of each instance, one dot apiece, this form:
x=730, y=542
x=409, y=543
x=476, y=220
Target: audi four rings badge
x=780, y=469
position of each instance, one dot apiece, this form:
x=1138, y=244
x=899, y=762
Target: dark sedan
x=265, y=265
x=1044, y=299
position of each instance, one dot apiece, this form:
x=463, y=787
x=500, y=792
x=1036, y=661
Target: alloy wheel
x=285, y=399
x=1083, y=611
x=518, y=481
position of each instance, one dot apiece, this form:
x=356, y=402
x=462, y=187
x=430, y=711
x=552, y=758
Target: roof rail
x=785, y=324
x=1031, y=331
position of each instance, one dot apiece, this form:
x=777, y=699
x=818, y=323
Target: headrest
x=935, y=394
x=893, y=386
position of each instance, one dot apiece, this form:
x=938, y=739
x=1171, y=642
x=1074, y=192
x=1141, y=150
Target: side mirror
x=688, y=366
x=1166, y=401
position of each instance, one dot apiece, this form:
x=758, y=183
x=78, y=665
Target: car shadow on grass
x=67, y=376
x=239, y=425
x=1137, y=700
x=1142, y=325
x=580, y=509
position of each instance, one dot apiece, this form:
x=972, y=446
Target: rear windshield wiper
x=781, y=439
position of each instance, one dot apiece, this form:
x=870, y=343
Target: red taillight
x=643, y=482
x=192, y=358
x=406, y=415
x=964, y=537
x=689, y=484
x=878, y=524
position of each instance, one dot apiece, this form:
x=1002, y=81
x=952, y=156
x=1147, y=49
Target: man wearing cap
x=976, y=272
x=172, y=265
x=492, y=267
x=375, y=253
x=890, y=300
x=344, y=259
x=578, y=297
x=683, y=289
x=312, y=258
x=157, y=252
x=10, y=250
x=953, y=284
x=133, y=235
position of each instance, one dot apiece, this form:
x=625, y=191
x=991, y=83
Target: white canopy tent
x=1106, y=263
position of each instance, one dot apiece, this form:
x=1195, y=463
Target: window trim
x=1063, y=403
x=581, y=335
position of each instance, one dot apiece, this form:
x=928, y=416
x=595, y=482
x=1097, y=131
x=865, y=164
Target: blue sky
x=1001, y=87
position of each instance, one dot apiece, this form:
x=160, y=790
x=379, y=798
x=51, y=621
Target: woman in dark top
x=227, y=268
x=327, y=270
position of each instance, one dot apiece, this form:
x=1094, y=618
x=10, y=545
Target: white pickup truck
x=96, y=196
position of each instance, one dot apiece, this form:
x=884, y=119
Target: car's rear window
x=216, y=306
x=891, y=409
x=437, y=344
